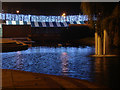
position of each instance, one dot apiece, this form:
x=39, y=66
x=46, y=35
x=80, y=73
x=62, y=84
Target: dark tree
x=107, y=16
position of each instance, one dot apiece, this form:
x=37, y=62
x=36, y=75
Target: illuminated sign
x=41, y=18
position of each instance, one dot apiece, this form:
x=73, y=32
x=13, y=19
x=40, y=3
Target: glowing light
x=17, y=11
x=63, y=14
x=40, y=18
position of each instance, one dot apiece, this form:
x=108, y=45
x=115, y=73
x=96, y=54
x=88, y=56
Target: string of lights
x=42, y=18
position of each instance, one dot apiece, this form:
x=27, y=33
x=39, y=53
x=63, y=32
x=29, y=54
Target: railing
x=41, y=18
x=43, y=24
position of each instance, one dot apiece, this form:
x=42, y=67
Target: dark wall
x=47, y=33
x=49, y=30
x=73, y=32
x=78, y=32
x=10, y=31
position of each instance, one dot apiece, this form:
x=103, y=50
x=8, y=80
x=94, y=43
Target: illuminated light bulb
x=17, y=11
x=63, y=14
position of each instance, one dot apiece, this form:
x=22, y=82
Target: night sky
x=42, y=8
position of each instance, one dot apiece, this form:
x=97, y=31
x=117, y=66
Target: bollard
x=99, y=46
x=96, y=43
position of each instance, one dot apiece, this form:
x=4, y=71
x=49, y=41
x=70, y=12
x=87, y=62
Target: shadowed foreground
x=21, y=79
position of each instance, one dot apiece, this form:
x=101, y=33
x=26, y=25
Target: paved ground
x=7, y=44
x=21, y=79
x=10, y=40
x=6, y=40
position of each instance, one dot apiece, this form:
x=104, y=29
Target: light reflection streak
x=18, y=60
x=64, y=58
x=101, y=71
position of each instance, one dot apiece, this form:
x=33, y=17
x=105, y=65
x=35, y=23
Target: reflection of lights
x=18, y=52
x=64, y=53
x=19, y=63
x=71, y=61
x=64, y=58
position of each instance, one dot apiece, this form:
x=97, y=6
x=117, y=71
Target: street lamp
x=64, y=14
x=17, y=11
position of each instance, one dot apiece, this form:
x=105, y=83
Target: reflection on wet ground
x=68, y=61
x=107, y=71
